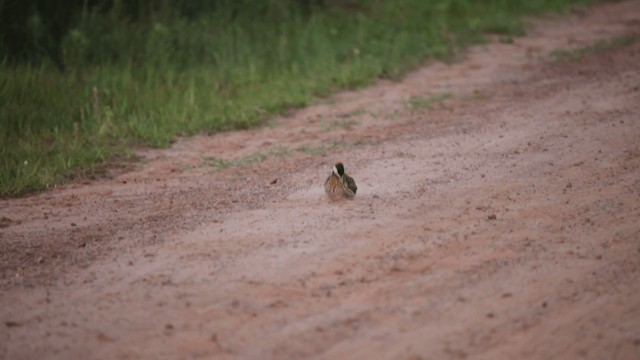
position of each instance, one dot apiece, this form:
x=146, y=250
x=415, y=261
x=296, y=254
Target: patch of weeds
x=279, y=151
x=340, y=123
x=353, y=113
x=318, y=150
x=599, y=47
x=252, y=159
x=506, y=40
x=345, y=123
x=393, y=114
x=362, y=142
x=220, y=164
x=271, y=123
x=184, y=166
x=477, y=95
x=428, y=102
x=312, y=150
x=217, y=163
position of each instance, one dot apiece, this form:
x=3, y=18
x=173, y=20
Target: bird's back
x=350, y=184
x=336, y=188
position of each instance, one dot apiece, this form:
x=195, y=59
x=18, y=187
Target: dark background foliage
x=33, y=31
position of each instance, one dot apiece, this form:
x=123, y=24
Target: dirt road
x=497, y=216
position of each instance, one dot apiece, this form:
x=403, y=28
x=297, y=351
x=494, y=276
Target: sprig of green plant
x=599, y=47
x=245, y=161
x=428, y=102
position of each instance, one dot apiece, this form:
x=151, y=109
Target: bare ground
x=497, y=216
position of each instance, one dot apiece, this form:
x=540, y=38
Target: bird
x=340, y=185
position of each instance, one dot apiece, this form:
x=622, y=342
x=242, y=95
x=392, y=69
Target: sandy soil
x=502, y=221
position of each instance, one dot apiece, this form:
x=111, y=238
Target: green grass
x=319, y=150
x=141, y=84
x=354, y=113
x=339, y=124
x=473, y=96
x=218, y=164
x=599, y=47
x=428, y=102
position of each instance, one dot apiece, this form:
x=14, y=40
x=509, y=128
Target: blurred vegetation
x=83, y=81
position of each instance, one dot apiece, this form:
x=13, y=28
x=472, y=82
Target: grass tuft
x=428, y=102
x=599, y=47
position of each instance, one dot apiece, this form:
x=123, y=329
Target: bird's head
x=338, y=169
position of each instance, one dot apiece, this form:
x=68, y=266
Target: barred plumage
x=340, y=185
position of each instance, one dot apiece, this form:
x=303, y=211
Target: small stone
x=492, y=217
x=102, y=337
x=5, y=222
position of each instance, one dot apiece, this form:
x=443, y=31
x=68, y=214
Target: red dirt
x=501, y=222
